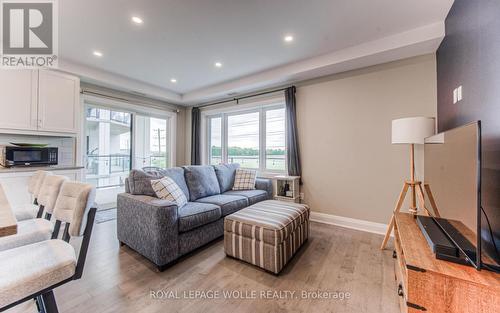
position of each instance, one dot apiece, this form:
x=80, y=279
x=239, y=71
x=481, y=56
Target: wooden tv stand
x=426, y=284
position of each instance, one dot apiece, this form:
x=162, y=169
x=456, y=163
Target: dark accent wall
x=470, y=56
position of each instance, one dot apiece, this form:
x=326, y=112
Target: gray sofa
x=161, y=231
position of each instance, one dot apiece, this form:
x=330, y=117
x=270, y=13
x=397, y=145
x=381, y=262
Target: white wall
x=349, y=166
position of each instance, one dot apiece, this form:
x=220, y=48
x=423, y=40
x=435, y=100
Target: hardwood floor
x=116, y=279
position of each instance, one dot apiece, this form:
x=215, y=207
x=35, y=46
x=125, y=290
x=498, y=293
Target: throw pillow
x=244, y=179
x=166, y=189
x=225, y=175
x=201, y=181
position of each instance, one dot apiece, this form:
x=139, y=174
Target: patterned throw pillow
x=244, y=179
x=166, y=189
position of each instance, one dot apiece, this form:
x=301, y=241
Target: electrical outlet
x=301, y=195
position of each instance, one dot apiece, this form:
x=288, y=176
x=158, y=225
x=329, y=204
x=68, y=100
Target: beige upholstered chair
x=31, y=211
x=49, y=190
x=33, y=271
x=38, y=229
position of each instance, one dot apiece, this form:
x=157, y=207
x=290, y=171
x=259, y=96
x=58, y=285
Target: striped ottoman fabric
x=267, y=234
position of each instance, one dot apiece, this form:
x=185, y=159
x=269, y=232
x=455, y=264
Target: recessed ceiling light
x=218, y=64
x=97, y=53
x=137, y=20
x=288, y=38
x=173, y=80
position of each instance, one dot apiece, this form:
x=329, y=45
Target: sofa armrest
x=148, y=225
x=265, y=184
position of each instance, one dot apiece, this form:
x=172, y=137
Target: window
x=243, y=139
x=215, y=141
x=152, y=144
x=275, y=140
x=253, y=138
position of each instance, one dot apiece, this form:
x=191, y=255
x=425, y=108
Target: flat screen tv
x=452, y=175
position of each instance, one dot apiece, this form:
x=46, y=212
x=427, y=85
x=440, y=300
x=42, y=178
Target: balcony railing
x=119, y=117
x=160, y=160
x=107, y=164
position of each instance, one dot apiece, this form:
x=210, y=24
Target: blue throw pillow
x=225, y=175
x=201, y=181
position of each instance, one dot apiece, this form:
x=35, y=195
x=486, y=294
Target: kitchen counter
x=36, y=168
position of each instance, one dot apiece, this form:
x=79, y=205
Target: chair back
x=4, y=201
x=36, y=181
x=49, y=191
x=73, y=205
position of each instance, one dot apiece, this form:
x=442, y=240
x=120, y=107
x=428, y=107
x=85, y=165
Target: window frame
x=169, y=153
x=261, y=108
x=209, y=137
x=134, y=110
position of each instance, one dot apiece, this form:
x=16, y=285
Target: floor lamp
x=411, y=131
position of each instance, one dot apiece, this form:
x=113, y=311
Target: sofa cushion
x=195, y=214
x=253, y=196
x=228, y=203
x=201, y=181
x=139, y=182
x=225, y=175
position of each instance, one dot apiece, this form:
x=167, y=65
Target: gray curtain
x=292, y=142
x=195, y=137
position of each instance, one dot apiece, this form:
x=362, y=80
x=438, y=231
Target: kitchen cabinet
x=39, y=102
x=18, y=99
x=58, y=102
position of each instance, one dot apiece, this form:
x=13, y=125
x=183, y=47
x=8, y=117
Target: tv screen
x=452, y=175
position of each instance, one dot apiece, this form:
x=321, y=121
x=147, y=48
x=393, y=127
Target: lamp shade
x=412, y=130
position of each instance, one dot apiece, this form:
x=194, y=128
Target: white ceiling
x=183, y=38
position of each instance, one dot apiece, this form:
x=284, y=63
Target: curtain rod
x=93, y=93
x=243, y=97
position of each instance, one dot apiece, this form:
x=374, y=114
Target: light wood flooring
x=116, y=279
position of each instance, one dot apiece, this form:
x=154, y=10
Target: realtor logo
x=28, y=33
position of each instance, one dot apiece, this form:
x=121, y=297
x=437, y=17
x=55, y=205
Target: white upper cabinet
x=39, y=102
x=18, y=99
x=58, y=102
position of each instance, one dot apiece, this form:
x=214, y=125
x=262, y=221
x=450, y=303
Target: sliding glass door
x=120, y=137
x=108, y=149
x=152, y=144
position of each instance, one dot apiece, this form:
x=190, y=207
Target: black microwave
x=27, y=156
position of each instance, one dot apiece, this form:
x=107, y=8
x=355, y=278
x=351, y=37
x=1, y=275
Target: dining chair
x=32, y=210
x=38, y=229
x=34, y=271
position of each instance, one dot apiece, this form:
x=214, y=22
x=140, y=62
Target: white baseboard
x=347, y=222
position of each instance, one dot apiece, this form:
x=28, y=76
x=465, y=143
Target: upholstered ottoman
x=267, y=234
